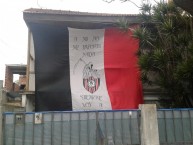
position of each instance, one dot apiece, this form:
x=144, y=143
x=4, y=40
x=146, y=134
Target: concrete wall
x=31, y=64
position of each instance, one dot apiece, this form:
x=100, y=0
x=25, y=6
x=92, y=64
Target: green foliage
x=166, y=51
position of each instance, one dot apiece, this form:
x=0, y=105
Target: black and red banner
x=85, y=69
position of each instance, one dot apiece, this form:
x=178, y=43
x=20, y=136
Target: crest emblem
x=91, y=78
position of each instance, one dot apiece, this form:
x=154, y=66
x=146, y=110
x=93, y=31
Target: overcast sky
x=13, y=30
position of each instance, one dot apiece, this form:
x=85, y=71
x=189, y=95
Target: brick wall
x=22, y=82
x=22, y=79
x=9, y=84
x=8, y=79
x=16, y=87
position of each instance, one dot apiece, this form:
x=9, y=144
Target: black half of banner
x=52, y=75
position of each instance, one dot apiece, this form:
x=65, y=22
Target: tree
x=166, y=51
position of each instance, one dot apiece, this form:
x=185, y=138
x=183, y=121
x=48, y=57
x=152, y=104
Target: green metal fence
x=72, y=128
x=175, y=126
x=94, y=128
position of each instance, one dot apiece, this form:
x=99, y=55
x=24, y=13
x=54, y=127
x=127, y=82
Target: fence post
x=149, y=125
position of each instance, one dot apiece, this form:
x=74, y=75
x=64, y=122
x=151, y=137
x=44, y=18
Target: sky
x=14, y=32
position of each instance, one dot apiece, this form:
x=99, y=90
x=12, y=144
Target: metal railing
x=72, y=128
x=175, y=126
x=94, y=128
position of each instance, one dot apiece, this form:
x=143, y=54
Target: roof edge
x=66, y=12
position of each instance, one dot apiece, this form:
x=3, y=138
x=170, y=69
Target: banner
x=87, y=74
x=95, y=55
x=85, y=69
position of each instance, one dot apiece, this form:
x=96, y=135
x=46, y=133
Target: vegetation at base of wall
x=166, y=52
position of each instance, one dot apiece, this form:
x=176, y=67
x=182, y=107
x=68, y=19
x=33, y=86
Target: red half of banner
x=121, y=69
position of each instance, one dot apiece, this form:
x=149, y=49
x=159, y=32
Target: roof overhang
x=17, y=68
x=75, y=19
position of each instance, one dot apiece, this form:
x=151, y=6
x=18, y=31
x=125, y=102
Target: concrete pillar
x=149, y=125
x=28, y=100
x=23, y=100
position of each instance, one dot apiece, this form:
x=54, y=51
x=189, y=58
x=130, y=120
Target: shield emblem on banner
x=91, y=78
x=91, y=84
